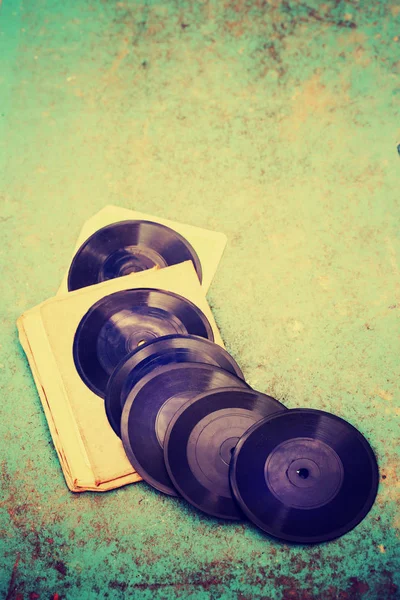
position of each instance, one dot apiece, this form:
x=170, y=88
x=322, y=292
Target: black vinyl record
x=304, y=476
x=151, y=405
x=125, y=320
x=169, y=349
x=200, y=441
x=128, y=247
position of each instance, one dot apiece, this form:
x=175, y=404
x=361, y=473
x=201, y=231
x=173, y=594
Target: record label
x=152, y=404
x=200, y=441
x=304, y=476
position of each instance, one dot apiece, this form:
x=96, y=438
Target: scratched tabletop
x=276, y=122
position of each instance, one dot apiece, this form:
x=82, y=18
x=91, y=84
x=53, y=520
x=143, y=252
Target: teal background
x=276, y=122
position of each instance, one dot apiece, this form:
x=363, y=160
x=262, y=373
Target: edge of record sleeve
x=38, y=330
x=208, y=244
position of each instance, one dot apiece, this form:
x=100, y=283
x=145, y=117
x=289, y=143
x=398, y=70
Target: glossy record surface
x=304, y=476
x=152, y=404
x=170, y=349
x=125, y=320
x=128, y=247
x=200, y=441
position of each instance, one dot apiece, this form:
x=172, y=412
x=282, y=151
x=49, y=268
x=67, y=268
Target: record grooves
x=200, y=441
x=128, y=247
x=151, y=405
x=169, y=349
x=304, y=476
x=123, y=321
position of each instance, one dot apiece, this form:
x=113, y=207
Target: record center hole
x=141, y=342
x=303, y=473
x=232, y=450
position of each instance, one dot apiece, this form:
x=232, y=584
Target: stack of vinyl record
x=190, y=424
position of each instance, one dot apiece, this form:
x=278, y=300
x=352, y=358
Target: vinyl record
x=304, y=476
x=200, y=440
x=150, y=407
x=128, y=247
x=163, y=351
x=125, y=320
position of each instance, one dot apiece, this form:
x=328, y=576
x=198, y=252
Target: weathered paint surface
x=276, y=122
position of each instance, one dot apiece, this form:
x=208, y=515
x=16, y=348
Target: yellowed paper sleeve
x=91, y=455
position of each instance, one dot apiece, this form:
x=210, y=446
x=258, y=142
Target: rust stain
x=12, y=584
x=60, y=567
x=120, y=57
x=384, y=395
x=358, y=587
x=235, y=27
x=388, y=589
x=314, y=100
x=118, y=585
x=390, y=484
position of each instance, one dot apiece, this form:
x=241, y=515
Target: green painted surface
x=276, y=122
